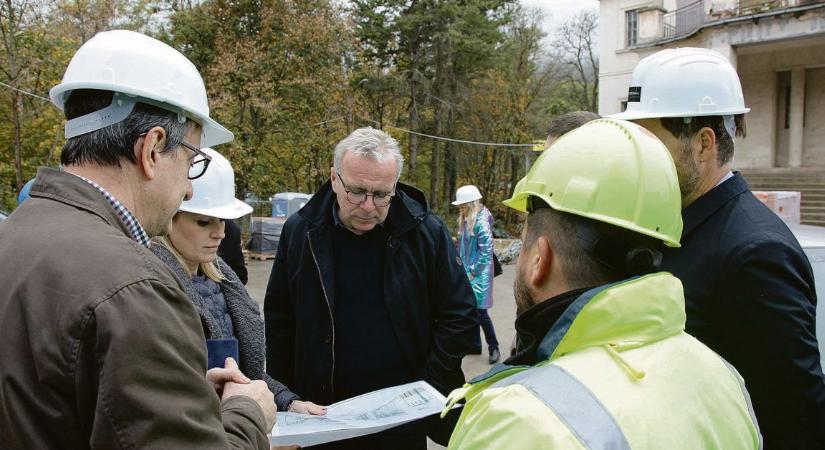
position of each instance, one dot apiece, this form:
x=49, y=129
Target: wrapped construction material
x=264, y=233
x=786, y=204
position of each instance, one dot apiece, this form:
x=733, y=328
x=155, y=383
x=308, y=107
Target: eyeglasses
x=357, y=197
x=198, y=163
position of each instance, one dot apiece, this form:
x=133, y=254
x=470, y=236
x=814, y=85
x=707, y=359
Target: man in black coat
x=231, y=250
x=368, y=291
x=749, y=287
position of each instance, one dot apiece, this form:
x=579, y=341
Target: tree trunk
x=490, y=173
x=514, y=171
x=411, y=162
x=435, y=163
x=17, y=113
x=451, y=165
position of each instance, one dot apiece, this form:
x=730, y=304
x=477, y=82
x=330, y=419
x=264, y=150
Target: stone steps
x=810, y=182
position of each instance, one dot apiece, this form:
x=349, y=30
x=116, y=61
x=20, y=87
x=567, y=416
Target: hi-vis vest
x=617, y=372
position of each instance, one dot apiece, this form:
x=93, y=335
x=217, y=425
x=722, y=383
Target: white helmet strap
x=730, y=124
x=122, y=105
x=119, y=110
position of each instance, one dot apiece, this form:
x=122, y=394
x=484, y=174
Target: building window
x=631, y=28
x=623, y=106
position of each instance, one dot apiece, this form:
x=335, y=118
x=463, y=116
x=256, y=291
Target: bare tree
x=20, y=32
x=576, y=44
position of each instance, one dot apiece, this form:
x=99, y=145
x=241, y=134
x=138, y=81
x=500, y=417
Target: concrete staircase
x=809, y=181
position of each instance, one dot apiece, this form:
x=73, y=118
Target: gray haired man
x=368, y=291
x=101, y=347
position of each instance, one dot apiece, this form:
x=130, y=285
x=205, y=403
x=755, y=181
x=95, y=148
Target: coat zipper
x=329, y=309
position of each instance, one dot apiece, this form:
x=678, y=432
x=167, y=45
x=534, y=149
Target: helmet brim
x=232, y=211
x=519, y=203
x=213, y=133
x=638, y=115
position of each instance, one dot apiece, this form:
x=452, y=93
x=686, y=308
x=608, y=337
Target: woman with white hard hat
x=231, y=320
x=475, y=246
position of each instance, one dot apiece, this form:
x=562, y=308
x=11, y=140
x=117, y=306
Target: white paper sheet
x=358, y=416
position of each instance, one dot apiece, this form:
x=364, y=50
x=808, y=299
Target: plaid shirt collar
x=131, y=223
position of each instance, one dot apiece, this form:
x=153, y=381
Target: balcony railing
x=684, y=20
x=747, y=7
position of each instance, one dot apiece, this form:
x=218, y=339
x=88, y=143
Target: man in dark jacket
x=368, y=291
x=101, y=347
x=749, y=287
x=231, y=250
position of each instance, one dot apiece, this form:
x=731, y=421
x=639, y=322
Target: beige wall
x=650, y=22
x=814, y=144
x=756, y=150
x=759, y=67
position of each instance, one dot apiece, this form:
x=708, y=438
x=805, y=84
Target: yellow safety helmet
x=611, y=171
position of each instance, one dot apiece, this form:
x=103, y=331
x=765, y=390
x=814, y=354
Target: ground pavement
x=503, y=314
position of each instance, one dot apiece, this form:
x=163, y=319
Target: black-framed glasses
x=358, y=197
x=198, y=163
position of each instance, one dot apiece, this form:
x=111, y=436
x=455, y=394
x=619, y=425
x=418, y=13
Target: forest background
x=292, y=77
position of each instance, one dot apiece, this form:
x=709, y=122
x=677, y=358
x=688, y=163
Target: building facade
x=777, y=46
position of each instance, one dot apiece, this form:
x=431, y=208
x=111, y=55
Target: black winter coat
x=231, y=250
x=429, y=299
x=750, y=296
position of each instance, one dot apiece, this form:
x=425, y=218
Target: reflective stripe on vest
x=747, y=400
x=574, y=404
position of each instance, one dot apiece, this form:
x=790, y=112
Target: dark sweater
x=367, y=355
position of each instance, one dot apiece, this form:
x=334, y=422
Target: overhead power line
x=403, y=130
x=442, y=138
x=24, y=92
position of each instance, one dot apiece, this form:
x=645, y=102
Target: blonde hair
x=210, y=270
x=474, y=207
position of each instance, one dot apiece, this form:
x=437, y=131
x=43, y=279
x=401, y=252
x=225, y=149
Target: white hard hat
x=214, y=192
x=466, y=194
x=140, y=68
x=683, y=82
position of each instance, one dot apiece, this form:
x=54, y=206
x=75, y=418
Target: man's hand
x=230, y=381
x=256, y=390
x=300, y=406
x=218, y=377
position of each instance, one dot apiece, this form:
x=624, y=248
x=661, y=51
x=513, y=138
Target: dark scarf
x=532, y=325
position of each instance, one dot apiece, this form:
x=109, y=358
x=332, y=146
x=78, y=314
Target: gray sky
x=557, y=11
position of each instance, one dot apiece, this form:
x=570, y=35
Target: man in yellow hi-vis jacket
x=603, y=361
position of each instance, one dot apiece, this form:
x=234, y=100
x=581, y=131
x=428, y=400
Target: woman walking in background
x=231, y=320
x=475, y=246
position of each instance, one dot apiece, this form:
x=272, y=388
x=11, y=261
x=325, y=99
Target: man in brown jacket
x=100, y=347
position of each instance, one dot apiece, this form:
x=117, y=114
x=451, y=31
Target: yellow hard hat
x=611, y=171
